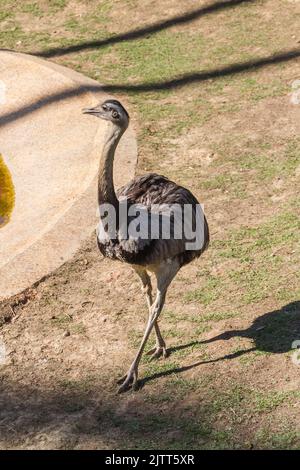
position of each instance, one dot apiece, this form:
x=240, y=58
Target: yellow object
x=7, y=193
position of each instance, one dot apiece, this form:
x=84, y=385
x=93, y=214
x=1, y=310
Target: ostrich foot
x=129, y=380
x=157, y=352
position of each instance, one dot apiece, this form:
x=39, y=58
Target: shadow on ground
x=173, y=83
x=68, y=415
x=145, y=31
x=39, y=417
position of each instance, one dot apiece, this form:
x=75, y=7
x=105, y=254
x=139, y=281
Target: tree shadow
x=273, y=332
x=145, y=31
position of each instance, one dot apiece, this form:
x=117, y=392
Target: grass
x=285, y=439
x=270, y=401
x=248, y=282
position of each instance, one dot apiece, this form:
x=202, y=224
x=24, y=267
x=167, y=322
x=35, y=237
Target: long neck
x=106, y=190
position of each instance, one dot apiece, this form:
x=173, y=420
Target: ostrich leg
x=164, y=275
x=160, y=347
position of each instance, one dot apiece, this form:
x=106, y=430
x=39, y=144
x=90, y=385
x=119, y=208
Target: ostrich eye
x=104, y=107
x=115, y=115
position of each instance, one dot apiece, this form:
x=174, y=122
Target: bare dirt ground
x=231, y=318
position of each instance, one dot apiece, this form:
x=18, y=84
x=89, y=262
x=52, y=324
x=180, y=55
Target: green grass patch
x=210, y=292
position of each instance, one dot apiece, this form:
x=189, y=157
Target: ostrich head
x=110, y=110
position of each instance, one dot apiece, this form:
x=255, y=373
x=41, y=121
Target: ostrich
x=159, y=256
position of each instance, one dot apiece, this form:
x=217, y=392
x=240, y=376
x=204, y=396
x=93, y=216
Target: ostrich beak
x=96, y=111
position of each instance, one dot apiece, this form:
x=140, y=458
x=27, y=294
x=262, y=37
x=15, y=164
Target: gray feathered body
x=146, y=191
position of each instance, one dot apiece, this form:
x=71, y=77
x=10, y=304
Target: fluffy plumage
x=146, y=191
